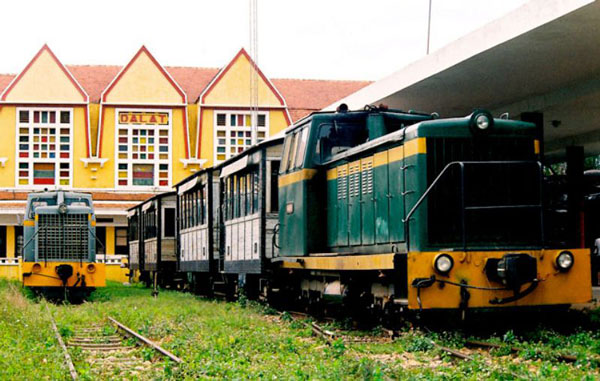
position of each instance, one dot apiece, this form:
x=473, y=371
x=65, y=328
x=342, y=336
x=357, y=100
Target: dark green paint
x=382, y=203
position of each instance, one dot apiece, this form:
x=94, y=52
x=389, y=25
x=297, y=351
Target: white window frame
x=228, y=128
x=30, y=159
x=129, y=161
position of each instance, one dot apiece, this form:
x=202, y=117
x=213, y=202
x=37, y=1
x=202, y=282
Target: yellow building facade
x=127, y=133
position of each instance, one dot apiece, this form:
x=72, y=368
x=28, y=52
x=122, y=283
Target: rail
x=68, y=359
x=144, y=340
x=463, y=206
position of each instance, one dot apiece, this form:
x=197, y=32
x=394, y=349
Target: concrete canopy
x=542, y=57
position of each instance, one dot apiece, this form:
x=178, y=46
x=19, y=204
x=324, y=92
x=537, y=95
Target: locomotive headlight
x=482, y=122
x=564, y=260
x=62, y=208
x=91, y=268
x=443, y=263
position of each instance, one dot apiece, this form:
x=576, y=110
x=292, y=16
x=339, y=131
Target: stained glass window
x=234, y=133
x=44, y=149
x=143, y=148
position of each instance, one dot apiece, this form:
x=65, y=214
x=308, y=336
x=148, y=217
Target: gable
x=232, y=86
x=44, y=80
x=143, y=81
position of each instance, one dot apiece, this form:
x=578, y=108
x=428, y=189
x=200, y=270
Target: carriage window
x=255, y=192
x=133, y=228
x=204, y=200
x=236, y=196
x=169, y=224
x=242, y=181
x=274, y=187
x=303, y=137
x=229, y=198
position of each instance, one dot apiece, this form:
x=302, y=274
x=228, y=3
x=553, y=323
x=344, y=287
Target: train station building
x=126, y=133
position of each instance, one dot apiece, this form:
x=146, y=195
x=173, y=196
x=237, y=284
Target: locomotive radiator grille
x=62, y=236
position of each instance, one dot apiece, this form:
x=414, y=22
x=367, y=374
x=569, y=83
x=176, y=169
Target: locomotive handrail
x=462, y=194
x=428, y=190
x=28, y=242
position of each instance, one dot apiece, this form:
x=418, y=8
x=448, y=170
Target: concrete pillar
x=575, y=184
x=10, y=242
x=110, y=240
x=536, y=118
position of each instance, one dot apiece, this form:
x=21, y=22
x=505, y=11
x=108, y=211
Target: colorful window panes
x=43, y=174
x=240, y=129
x=136, y=162
x=143, y=174
x=44, y=162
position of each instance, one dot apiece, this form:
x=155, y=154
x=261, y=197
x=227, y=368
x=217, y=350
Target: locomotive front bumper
x=478, y=279
x=75, y=274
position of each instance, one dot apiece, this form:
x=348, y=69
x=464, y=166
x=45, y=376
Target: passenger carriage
x=249, y=214
x=134, y=241
x=197, y=228
x=158, y=238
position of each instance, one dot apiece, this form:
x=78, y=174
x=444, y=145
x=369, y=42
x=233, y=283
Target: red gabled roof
x=193, y=80
x=302, y=96
x=94, y=79
x=5, y=80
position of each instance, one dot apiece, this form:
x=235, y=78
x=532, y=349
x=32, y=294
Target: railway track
x=105, y=351
x=471, y=349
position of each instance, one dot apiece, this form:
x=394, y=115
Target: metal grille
x=354, y=179
x=342, y=183
x=63, y=236
x=367, y=177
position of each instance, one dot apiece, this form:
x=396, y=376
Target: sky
x=312, y=39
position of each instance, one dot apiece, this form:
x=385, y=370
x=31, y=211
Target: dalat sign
x=147, y=118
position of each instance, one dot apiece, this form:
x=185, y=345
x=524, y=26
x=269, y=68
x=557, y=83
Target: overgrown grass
x=28, y=349
x=245, y=340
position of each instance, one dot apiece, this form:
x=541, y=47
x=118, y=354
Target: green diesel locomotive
x=387, y=208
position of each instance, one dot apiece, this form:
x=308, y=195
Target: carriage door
x=396, y=193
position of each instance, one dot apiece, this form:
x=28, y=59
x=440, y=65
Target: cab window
x=286, y=153
x=333, y=139
x=300, y=153
x=292, y=156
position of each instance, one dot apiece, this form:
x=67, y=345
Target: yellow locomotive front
x=476, y=221
x=59, y=248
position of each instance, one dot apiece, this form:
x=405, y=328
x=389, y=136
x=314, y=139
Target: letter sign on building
x=147, y=118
